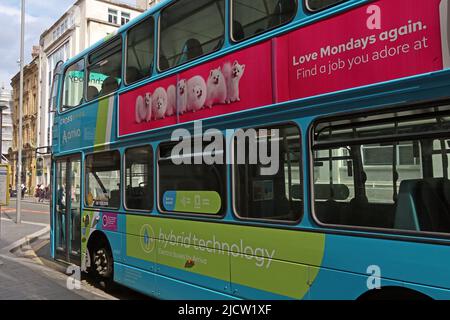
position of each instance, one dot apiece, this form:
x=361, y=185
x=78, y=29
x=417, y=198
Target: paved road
x=31, y=212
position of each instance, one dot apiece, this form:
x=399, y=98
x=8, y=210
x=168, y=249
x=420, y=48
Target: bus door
x=67, y=210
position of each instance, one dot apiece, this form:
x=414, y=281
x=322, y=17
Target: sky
x=40, y=15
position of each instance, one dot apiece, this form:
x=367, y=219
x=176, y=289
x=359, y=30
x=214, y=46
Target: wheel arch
x=98, y=237
x=394, y=293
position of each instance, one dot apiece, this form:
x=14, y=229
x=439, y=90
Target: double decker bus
x=356, y=96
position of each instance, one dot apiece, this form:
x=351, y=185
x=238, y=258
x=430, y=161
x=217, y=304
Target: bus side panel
x=262, y=262
x=178, y=250
x=434, y=293
x=108, y=224
x=135, y=278
x=339, y=285
x=279, y=261
x=412, y=262
x=170, y=289
x=281, y=281
x=178, y=290
x=92, y=126
x=139, y=252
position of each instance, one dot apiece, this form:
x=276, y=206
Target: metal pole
x=19, y=138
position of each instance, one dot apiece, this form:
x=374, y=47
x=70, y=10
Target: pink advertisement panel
x=381, y=41
x=146, y=108
x=377, y=42
x=233, y=83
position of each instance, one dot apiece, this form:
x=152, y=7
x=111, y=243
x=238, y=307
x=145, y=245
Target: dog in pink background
x=171, y=101
x=197, y=91
x=217, y=88
x=143, y=108
x=233, y=74
x=182, y=96
x=159, y=99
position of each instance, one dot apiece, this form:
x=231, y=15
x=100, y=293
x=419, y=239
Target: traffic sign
x=4, y=184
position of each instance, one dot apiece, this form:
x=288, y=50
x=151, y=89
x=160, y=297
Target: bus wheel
x=103, y=266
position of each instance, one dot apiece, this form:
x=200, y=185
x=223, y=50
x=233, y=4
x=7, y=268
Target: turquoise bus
x=356, y=95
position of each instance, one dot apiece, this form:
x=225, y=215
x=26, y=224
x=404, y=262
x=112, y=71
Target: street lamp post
x=19, y=138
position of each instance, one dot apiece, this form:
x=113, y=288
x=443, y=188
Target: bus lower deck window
x=188, y=183
x=102, y=181
x=139, y=178
x=384, y=174
x=274, y=191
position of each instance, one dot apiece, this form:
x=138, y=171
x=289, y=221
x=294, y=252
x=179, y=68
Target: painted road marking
x=27, y=222
x=24, y=210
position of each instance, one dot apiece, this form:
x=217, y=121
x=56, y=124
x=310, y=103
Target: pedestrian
x=47, y=193
x=23, y=189
x=41, y=192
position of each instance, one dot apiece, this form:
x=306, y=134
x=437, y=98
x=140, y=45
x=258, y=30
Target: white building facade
x=81, y=26
x=146, y=4
x=6, y=119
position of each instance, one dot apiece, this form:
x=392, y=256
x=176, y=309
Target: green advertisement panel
x=267, y=259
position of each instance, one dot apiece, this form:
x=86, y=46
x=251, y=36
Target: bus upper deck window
x=73, y=86
x=190, y=29
x=316, y=5
x=105, y=70
x=253, y=17
x=140, y=50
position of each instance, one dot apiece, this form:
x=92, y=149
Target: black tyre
x=102, y=266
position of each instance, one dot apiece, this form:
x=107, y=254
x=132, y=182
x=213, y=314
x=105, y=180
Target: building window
x=112, y=16
x=125, y=18
x=103, y=180
x=383, y=155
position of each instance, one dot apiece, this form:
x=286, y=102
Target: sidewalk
x=24, y=279
x=12, y=234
